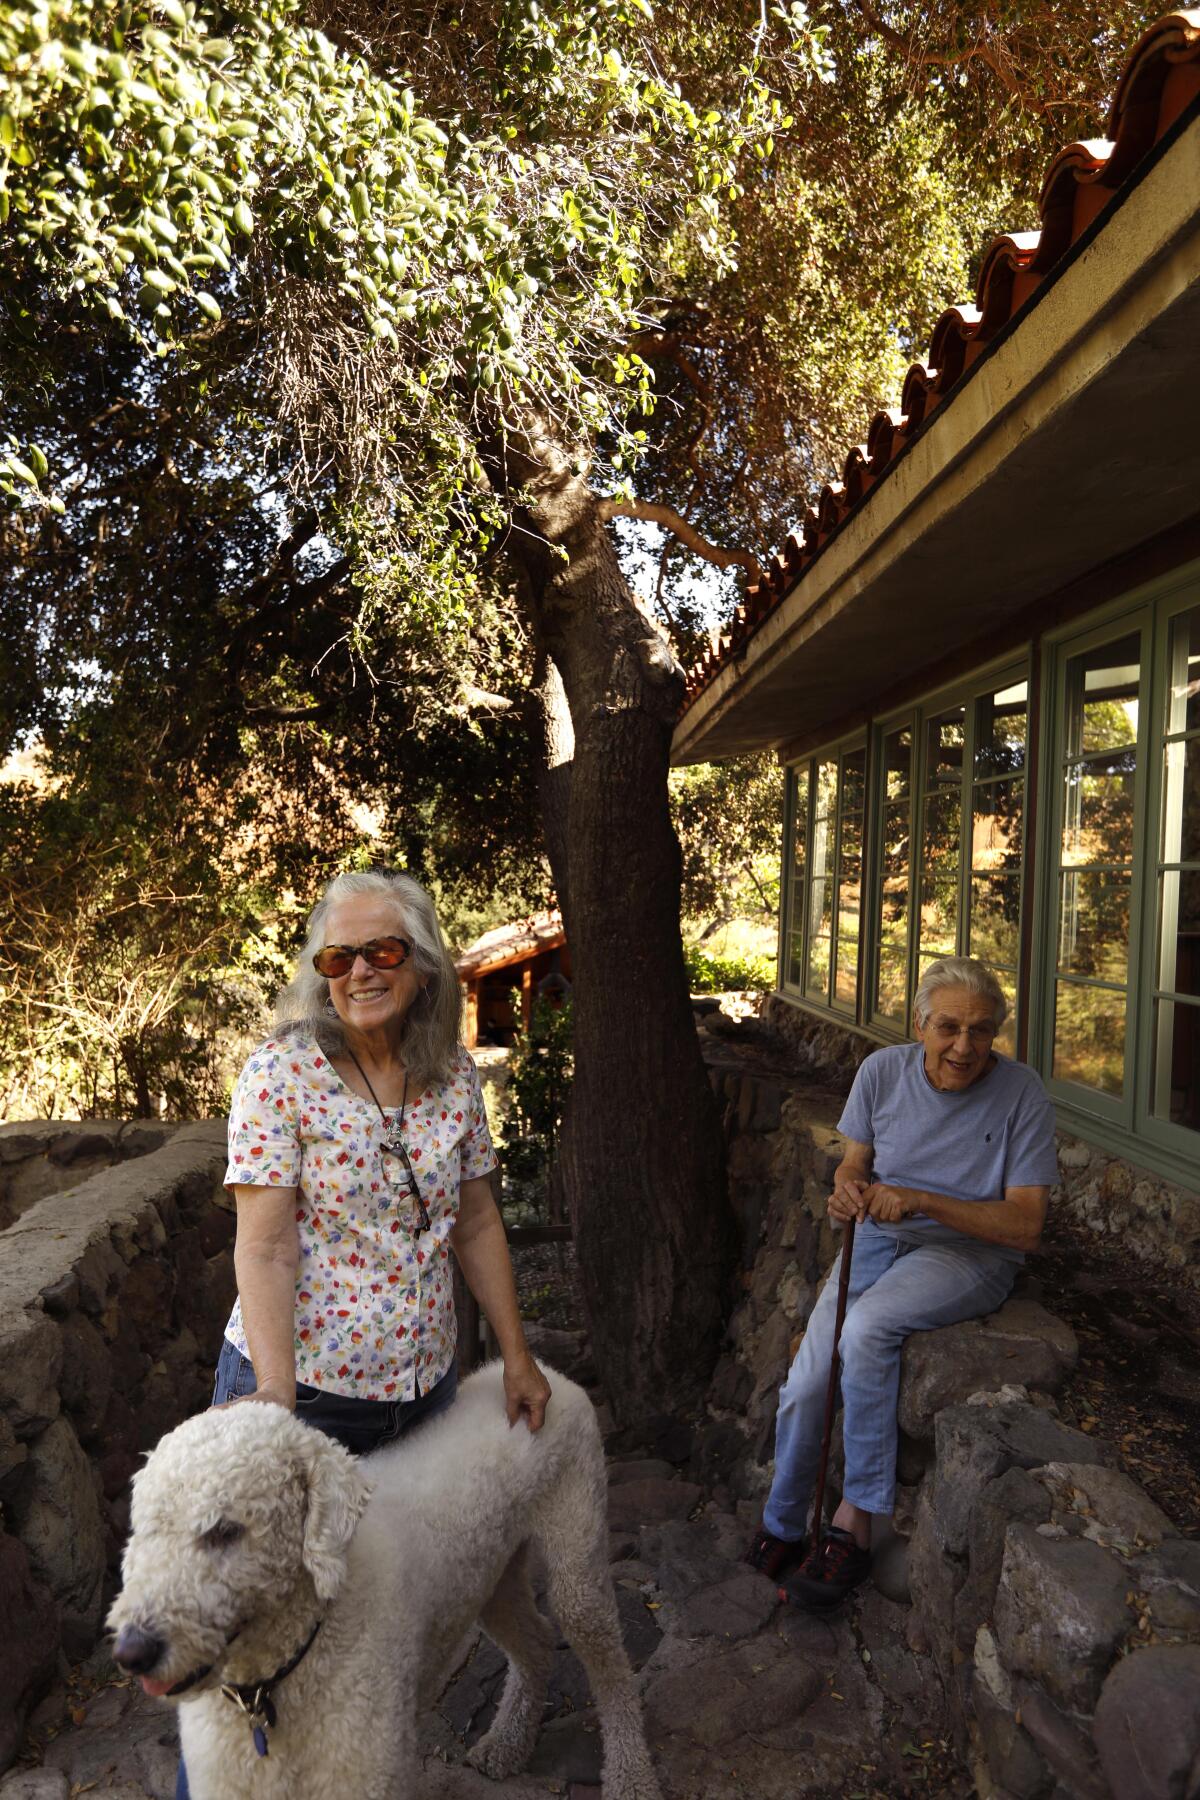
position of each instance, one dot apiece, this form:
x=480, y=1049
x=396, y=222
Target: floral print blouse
x=374, y=1302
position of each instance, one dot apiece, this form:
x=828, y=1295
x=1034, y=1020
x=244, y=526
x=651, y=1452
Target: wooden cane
x=831, y=1392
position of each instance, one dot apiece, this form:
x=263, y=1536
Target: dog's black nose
x=137, y=1650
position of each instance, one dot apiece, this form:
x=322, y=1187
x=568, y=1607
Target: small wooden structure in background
x=503, y=972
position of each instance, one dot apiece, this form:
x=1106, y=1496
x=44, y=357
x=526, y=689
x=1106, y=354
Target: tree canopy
x=273, y=282
x=340, y=340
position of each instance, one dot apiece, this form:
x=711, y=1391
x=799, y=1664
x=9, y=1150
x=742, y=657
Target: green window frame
x=1117, y=964
x=949, y=804
x=821, y=943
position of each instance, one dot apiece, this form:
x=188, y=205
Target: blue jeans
x=895, y=1288
x=361, y=1425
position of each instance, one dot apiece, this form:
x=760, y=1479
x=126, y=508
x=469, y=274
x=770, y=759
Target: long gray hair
x=960, y=971
x=430, y=1034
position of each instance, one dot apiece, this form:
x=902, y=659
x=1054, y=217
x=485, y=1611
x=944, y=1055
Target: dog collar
x=189, y=1681
x=254, y=1697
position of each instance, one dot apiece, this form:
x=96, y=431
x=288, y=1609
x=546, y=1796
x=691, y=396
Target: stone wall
x=42, y=1157
x=1156, y=1220
x=1060, y=1608
x=113, y=1296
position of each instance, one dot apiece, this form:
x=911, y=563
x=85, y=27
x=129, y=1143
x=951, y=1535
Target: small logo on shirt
x=987, y=1137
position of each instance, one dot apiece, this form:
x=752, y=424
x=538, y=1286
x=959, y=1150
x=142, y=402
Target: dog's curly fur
x=247, y=1526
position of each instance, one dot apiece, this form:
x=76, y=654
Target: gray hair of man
x=961, y=972
x=430, y=1034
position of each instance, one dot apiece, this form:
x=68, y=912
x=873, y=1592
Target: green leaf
x=8, y=130
x=208, y=306
x=243, y=218
x=360, y=201
x=160, y=281
x=38, y=463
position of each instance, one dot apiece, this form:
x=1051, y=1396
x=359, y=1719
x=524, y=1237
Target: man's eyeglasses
x=947, y=1028
x=381, y=953
x=395, y=1148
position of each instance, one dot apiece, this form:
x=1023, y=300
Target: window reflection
x=1175, y=1077
x=851, y=809
x=1089, y=1037
x=799, y=816
x=891, y=991
x=941, y=834
x=1099, y=775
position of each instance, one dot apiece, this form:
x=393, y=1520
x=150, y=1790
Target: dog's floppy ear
x=337, y=1494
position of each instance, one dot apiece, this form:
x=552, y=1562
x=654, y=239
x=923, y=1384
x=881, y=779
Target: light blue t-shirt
x=969, y=1145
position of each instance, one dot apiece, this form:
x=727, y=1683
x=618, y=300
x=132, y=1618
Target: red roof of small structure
x=508, y=944
x=1160, y=80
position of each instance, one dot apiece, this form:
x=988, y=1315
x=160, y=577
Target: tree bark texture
x=552, y=736
x=641, y=1154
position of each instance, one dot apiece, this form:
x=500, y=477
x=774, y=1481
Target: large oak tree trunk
x=641, y=1155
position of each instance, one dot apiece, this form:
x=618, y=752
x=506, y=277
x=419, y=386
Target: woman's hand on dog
x=526, y=1392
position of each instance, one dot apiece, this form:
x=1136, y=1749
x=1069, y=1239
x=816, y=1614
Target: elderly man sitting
x=948, y=1166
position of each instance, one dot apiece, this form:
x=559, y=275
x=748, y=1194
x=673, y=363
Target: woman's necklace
x=396, y=1146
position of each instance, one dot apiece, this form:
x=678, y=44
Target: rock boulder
x=1147, y=1724
x=1021, y=1343
x=1061, y=1613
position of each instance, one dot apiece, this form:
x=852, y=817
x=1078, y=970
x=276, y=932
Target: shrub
x=721, y=974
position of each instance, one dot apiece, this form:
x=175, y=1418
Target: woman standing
x=359, y=1156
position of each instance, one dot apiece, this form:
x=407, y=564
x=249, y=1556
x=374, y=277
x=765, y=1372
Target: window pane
x=820, y=900
x=1181, y=802
x=1177, y=1063
x=1104, y=688
x=945, y=736
x=799, y=817
x=1089, y=1037
x=854, y=775
x=1006, y=1038
x=846, y=978
x=939, y=912
x=1183, y=704
x=893, y=983
x=895, y=852
x=996, y=828
x=1000, y=727
x=1099, y=812
x=996, y=917
x=1093, y=928
x=897, y=764
x=939, y=876
x=1179, y=932
x=826, y=789
x=820, y=891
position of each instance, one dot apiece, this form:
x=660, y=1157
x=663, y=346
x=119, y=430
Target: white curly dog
x=302, y=1606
